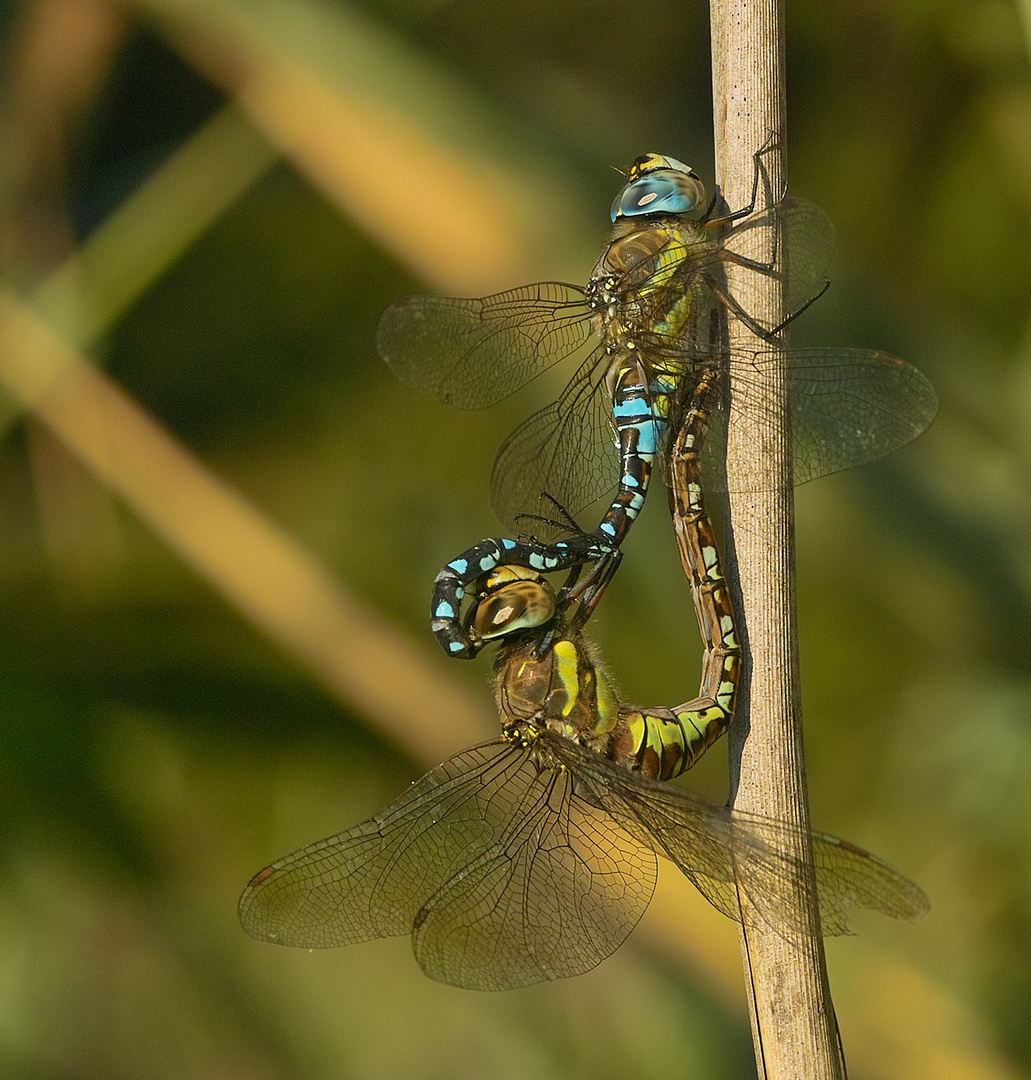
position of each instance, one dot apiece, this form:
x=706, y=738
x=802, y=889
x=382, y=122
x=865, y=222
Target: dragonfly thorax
x=561, y=690
x=647, y=278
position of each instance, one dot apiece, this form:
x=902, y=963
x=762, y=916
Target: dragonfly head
x=508, y=599
x=659, y=185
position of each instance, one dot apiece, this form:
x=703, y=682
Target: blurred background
x=220, y=515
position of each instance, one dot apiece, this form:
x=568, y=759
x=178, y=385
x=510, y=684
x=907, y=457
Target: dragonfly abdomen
x=670, y=741
x=450, y=584
x=639, y=419
x=662, y=743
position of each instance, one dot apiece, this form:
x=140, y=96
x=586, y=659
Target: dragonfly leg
x=756, y=328
x=758, y=175
x=766, y=333
x=586, y=593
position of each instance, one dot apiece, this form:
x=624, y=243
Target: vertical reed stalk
x=793, y=1022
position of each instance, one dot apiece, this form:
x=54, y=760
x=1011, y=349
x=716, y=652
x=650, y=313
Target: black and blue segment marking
x=450, y=584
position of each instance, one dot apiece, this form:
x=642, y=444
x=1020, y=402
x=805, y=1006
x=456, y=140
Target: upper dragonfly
x=645, y=316
x=650, y=324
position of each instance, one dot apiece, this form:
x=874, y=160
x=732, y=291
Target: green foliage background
x=156, y=748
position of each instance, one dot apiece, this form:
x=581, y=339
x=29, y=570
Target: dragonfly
x=532, y=857
x=648, y=327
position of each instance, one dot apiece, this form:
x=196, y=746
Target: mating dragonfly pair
x=532, y=857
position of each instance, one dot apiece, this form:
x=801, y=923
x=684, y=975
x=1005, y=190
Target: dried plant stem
x=792, y=1017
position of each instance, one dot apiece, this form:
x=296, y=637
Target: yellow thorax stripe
x=567, y=671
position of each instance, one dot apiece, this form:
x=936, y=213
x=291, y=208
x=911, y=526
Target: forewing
x=474, y=353
x=566, y=451
x=372, y=880
x=558, y=893
x=849, y=878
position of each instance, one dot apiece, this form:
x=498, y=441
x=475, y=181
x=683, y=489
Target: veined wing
x=474, y=353
x=503, y=876
x=806, y=247
x=566, y=450
x=848, y=407
x=847, y=877
x=725, y=852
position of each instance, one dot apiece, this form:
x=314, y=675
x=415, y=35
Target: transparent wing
x=557, y=895
x=501, y=873
x=851, y=406
x=807, y=246
x=370, y=881
x=724, y=851
x=847, y=877
x=566, y=450
x=474, y=353
x=848, y=407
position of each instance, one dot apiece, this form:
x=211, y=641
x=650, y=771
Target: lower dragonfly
x=533, y=856
x=652, y=320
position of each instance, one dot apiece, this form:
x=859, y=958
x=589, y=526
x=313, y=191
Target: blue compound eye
x=660, y=191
